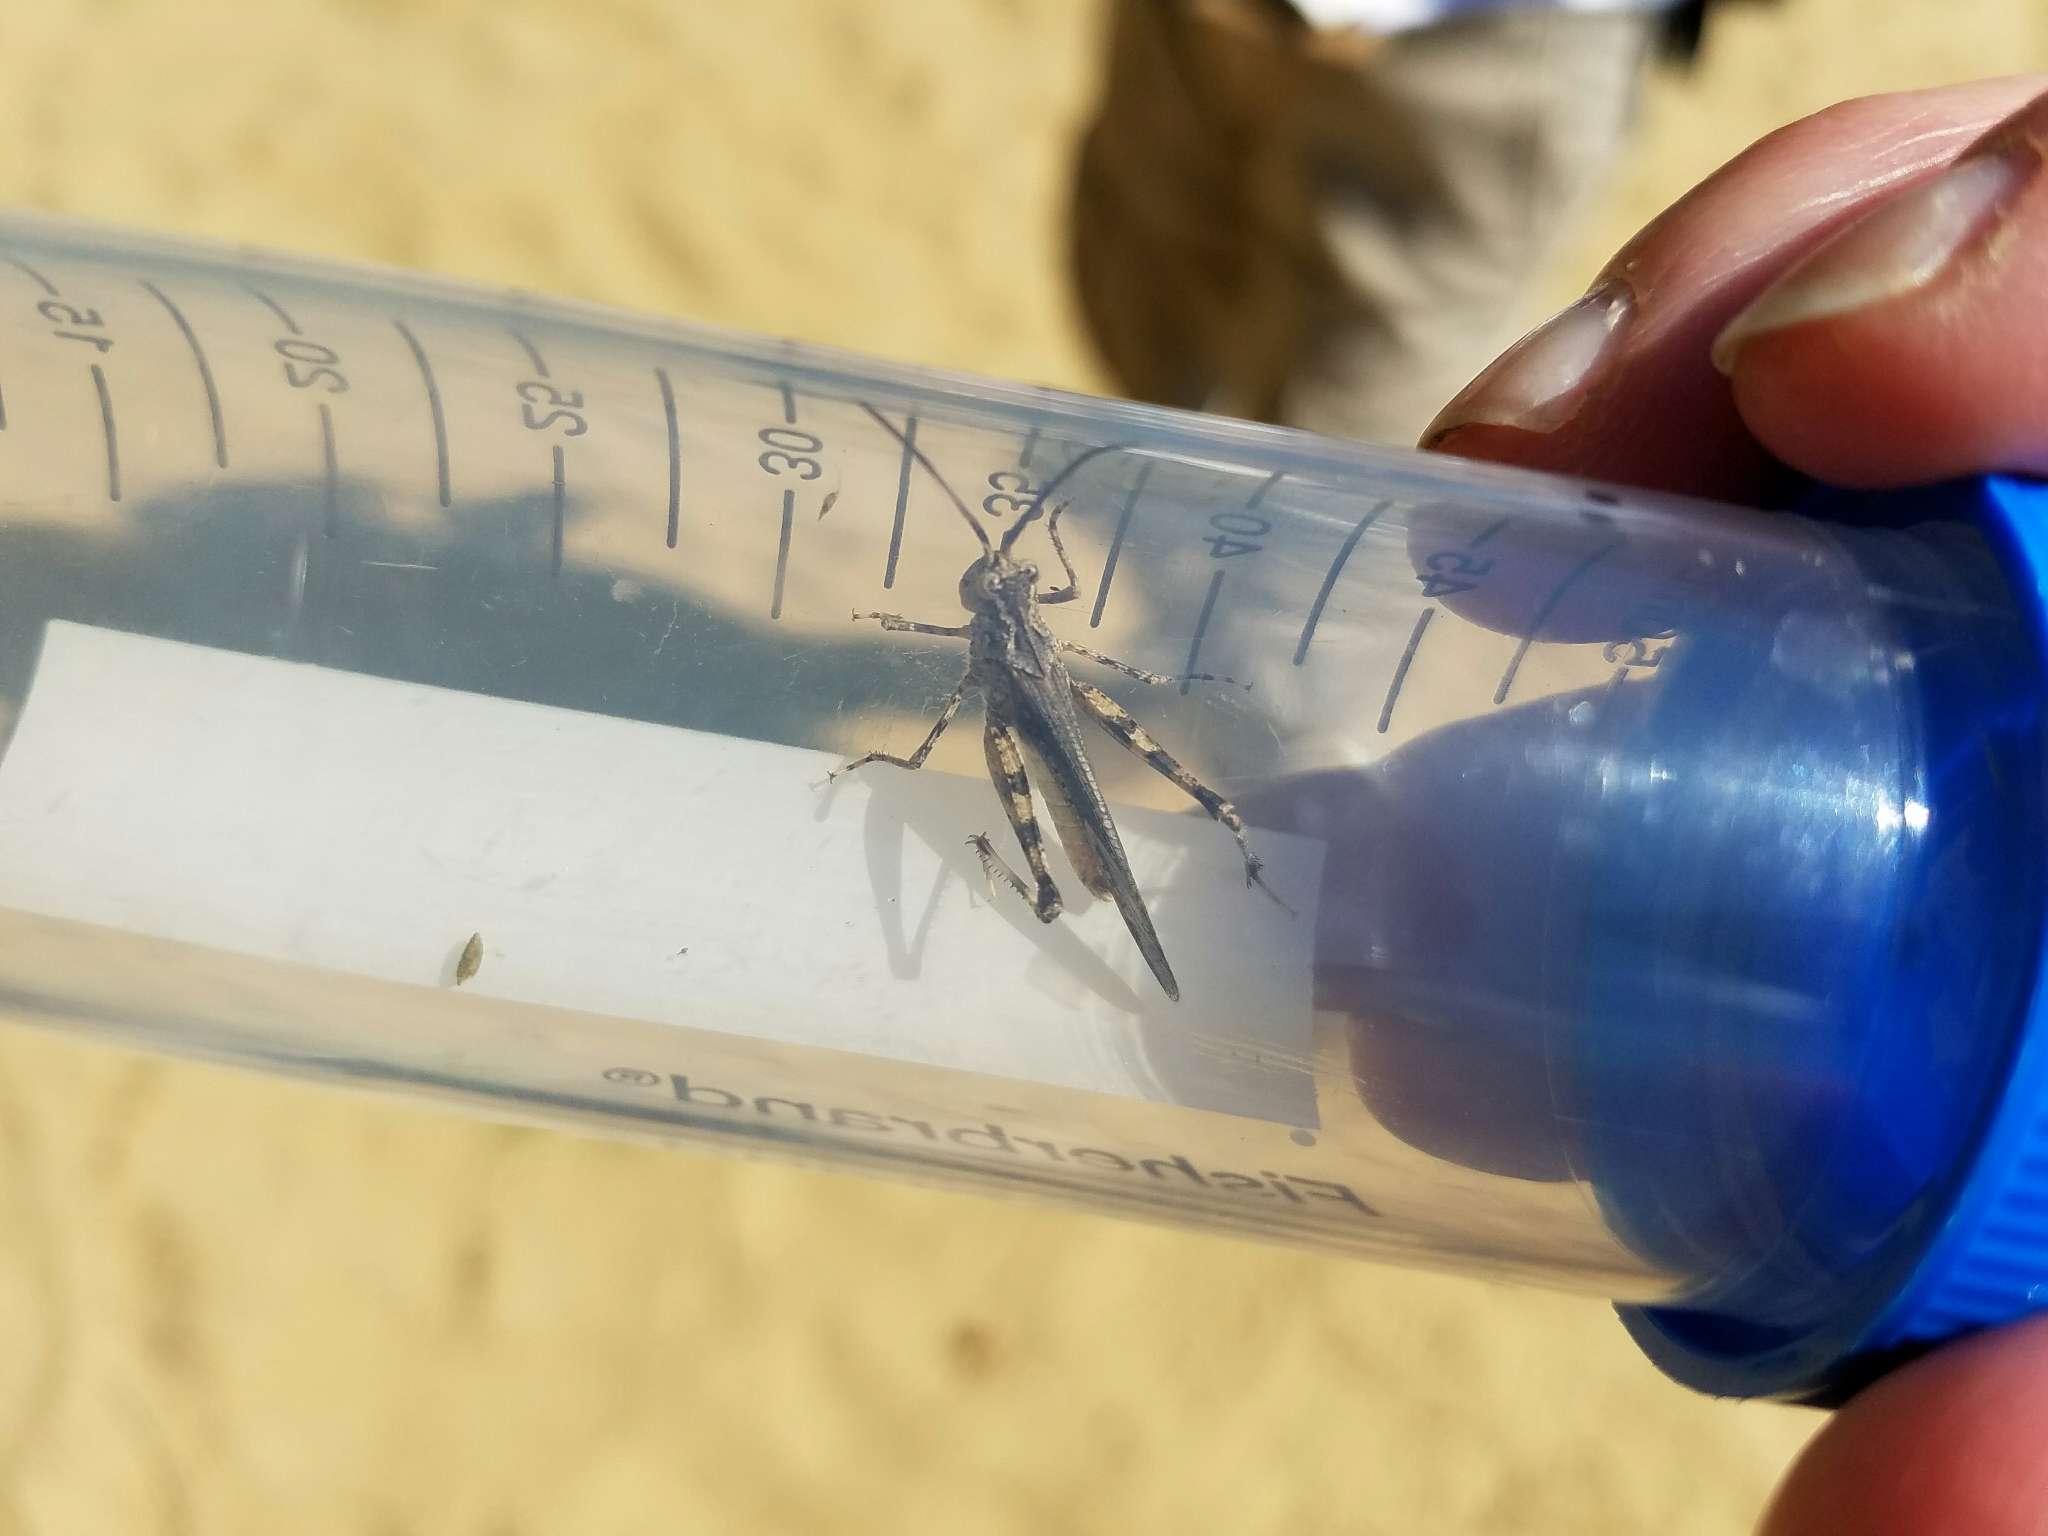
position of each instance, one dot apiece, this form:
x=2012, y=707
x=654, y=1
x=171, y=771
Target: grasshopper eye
x=1028, y=571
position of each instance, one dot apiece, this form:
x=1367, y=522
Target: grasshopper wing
x=1051, y=733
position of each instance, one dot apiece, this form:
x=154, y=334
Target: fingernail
x=1536, y=384
x=1904, y=244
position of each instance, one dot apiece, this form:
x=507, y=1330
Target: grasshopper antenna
x=1031, y=515
x=1043, y=499
x=932, y=469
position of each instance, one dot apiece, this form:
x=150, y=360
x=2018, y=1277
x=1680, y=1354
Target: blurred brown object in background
x=1330, y=230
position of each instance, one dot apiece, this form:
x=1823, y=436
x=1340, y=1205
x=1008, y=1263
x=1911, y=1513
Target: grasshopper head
x=980, y=585
x=994, y=579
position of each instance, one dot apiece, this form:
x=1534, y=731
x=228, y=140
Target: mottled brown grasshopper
x=1033, y=707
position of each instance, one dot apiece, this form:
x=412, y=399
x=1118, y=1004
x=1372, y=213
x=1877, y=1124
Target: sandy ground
x=234, y=1305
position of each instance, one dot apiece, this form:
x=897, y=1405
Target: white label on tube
x=367, y=826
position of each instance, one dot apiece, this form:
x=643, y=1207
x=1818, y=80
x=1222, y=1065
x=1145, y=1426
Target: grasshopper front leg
x=1072, y=589
x=898, y=624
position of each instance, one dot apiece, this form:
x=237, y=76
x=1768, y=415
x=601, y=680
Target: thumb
x=1913, y=344
x=1951, y=1443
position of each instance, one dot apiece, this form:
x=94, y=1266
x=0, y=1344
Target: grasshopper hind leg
x=1006, y=769
x=995, y=870
x=1134, y=738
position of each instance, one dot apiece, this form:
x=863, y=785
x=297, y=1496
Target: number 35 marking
x=565, y=407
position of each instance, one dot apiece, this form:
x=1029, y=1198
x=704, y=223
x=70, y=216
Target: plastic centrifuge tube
x=441, y=689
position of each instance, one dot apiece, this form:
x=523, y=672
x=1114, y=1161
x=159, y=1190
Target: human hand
x=1887, y=256
x=1870, y=282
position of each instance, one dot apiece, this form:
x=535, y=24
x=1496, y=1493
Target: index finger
x=1622, y=385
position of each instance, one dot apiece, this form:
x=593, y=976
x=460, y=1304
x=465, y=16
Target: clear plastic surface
x=438, y=689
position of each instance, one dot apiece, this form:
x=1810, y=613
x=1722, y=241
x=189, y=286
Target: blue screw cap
x=1972, y=1251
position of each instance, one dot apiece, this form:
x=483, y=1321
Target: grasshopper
x=1033, y=708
